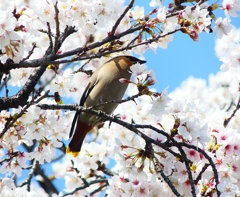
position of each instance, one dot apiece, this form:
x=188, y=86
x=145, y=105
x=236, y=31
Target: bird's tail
x=76, y=142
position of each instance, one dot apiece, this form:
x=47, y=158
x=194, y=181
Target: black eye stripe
x=134, y=59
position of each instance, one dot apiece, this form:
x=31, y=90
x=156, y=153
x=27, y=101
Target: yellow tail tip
x=74, y=154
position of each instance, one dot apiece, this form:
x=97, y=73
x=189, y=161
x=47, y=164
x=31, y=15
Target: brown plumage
x=103, y=86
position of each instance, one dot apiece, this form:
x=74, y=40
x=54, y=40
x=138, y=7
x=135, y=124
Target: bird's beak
x=142, y=61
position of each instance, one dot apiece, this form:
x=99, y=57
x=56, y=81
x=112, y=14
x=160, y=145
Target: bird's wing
x=86, y=93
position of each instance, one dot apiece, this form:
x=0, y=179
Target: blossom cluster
x=201, y=116
x=21, y=25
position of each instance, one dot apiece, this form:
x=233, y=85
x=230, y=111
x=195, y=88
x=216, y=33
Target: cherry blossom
x=222, y=27
x=189, y=14
x=138, y=12
x=231, y=7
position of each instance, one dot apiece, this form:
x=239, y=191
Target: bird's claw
x=117, y=116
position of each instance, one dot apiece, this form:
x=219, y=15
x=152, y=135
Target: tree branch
x=56, y=44
x=159, y=170
x=29, y=177
x=148, y=140
x=130, y=5
x=86, y=185
x=209, y=160
x=226, y=121
x=187, y=165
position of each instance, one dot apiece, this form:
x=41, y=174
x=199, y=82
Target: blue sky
x=184, y=57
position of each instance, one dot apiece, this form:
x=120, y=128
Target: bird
x=103, y=86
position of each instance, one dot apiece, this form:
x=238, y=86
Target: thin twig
x=126, y=48
x=45, y=32
x=50, y=37
x=5, y=85
x=215, y=172
x=29, y=53
x=98, y=189
x=85, y=186
x=88, y=72
x=134, y=39
x=130, y=5
x=56, y=47
x=152, y=128
x=201, y=173
x=11, y=121
x=11, y=156
x=226, y=121
x=29, y=177
x=45, y=95
x=105, y=170
x=130, y=98
x=187, y=165
x=159, y=170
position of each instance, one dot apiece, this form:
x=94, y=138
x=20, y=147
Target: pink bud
x=153, y=11
x=73, y=90
x=194, y=35
x=151, y=82
x=123, y=80
x=180, y=14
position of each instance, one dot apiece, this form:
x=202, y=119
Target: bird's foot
x=117, y=116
